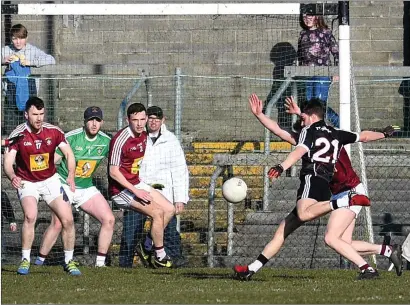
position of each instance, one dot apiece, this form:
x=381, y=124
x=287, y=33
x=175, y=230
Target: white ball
x=234, y=190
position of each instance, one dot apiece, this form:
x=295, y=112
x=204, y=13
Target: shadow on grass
x=13, y=270
x=203, y=276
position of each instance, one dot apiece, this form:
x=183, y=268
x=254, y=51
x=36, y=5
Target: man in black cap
x=164, y=167
x=90, y=146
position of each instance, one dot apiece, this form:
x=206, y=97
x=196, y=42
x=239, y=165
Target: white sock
x=68, y=255
x=25, y=254
x=160, y=254
x=100, y=261
x=255, y=266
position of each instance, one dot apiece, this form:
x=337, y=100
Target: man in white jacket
x=163, y=167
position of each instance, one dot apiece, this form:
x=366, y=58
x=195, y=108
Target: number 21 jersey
x=323, y=144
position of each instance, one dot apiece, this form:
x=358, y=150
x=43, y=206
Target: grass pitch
x=199, y=285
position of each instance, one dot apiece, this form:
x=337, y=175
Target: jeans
x=133, y=231
x=318, y=87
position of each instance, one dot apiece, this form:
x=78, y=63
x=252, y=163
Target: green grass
x=199, y=285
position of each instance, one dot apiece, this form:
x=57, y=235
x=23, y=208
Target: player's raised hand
x=144, y=196
x=388, y=131
x=291, y=106
x=275, y=172
x=256, y=104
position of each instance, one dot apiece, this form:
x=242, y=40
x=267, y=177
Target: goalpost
x=288, y=12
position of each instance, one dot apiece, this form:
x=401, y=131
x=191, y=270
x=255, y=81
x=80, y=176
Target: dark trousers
x=133, y=232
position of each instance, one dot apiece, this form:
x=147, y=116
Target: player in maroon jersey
x=344, y=180
x=127, y=150
x=36, y=177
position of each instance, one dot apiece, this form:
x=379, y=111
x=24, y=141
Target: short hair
x=135, y=108
x=315, y=106
x=18, y=31
x=36, y=102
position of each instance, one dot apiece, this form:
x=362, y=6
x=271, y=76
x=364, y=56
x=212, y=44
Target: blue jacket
x=18, y=75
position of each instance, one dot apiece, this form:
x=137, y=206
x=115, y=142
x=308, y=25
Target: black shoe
x=144, y=255
x=166, y=262
x=396, y=259
x=179, y=262
x=368, y=274
x=242, y=273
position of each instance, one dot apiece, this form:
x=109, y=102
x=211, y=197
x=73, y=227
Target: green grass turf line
x=49, y=284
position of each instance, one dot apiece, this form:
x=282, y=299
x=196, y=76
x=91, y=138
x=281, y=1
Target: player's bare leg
x=98, y=208
x=286, y=227
x=161, y=213
x=309, y=209
x=49, y=238
x=29, y=205
x=339, y=221
x=365, y=248
x=63, y=211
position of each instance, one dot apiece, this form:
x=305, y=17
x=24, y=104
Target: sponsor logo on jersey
x=135, y=167
x=39, y=162
x=79, y=148
x=85, y=168
x=28, y=144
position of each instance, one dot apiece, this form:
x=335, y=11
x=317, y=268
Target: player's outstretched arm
x=12, y=140
x=377, y=134
x=292, y=158
x=69, y=156
x=256, y=106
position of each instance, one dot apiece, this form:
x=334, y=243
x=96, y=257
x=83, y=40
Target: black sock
x=262, y=259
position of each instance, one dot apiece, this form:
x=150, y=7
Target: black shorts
x=313, y=187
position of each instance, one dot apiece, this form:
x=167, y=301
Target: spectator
x=19, y=57
x=316, y=44
x=164, y=167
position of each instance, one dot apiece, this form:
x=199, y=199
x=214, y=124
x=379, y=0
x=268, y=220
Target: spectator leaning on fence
x=90, y=146
x=19, y=57
x=164, y=167
x=36, y=177
x=316, y=44
x=127, y=191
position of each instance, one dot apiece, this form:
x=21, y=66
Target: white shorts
x=359, y=189
x=124, y=199
x=80, y=195
x=48, y=189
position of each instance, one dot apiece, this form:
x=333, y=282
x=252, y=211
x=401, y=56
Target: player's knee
x=30, y=219
x=330, y=239
x=56, y=224
x=109, y=221
x=67, y=222
x=157, y=213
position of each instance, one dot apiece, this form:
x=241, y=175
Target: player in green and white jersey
x=90, y=147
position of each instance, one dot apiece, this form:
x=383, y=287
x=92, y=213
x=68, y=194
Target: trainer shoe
x=358, y=199
x=144, y=255
x=368, y=274
x=72, y=268
x=166, y=262
x=396, y=259
x=242, y=273
x=38, y=262
x=24, y=267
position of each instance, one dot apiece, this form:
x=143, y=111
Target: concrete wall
x=208, y=46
